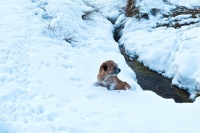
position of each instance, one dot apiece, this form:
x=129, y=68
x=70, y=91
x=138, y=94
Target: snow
x=48, y=85
x=177, y=53
x=172, y=52
x=186, y=3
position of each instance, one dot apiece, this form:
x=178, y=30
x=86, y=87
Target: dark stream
x=151, y=80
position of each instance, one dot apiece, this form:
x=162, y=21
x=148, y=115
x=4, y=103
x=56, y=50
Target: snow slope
x=186, y=3
x=48, y=85
x=172, y=52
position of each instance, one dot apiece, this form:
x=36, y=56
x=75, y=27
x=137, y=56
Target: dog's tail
x=127, y=85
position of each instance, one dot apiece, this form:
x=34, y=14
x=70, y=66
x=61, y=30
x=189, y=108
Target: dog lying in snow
x=107, y=76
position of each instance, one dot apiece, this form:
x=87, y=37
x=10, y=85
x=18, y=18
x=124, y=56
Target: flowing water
x=151, y=80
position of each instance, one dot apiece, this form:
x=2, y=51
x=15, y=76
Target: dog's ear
x=105, y=67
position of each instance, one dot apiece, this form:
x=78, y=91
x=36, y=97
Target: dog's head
x=110, y=68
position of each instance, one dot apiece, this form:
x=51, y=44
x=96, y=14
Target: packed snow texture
x=49, y=60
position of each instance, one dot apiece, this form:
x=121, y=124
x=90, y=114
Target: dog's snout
x=117, y=70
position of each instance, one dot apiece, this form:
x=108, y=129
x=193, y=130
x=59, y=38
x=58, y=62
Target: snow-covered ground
x=172, y=52
x=186, y=3
x=48, y=85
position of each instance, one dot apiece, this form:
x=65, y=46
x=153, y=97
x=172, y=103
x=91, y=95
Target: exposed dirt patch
x=181, y=10
x=172, y=19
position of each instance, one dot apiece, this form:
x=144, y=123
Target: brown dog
x=107, y=76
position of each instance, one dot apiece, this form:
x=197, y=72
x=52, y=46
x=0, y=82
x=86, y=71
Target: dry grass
x=167, y=2
x=130, y=9
x=181, y=10
x=57, y=30
x=70, y=37
x=89, y=3
x=87, y=14
x=155, y=11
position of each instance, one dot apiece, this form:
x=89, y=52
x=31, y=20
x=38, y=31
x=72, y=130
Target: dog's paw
x=96, y=84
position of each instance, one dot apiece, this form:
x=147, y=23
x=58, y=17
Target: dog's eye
x=105, y=67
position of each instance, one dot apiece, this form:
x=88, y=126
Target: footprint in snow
x=43, y=63
x=51, y=116
x=64, y=57
x=61, y=57
x=75, y=79
x=92, y=96
x=2, y=78
x=67, y=66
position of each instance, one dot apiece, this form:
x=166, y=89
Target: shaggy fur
x=107, y=76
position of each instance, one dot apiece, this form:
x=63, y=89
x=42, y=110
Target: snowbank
x=186, y=3
x=172, y=52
